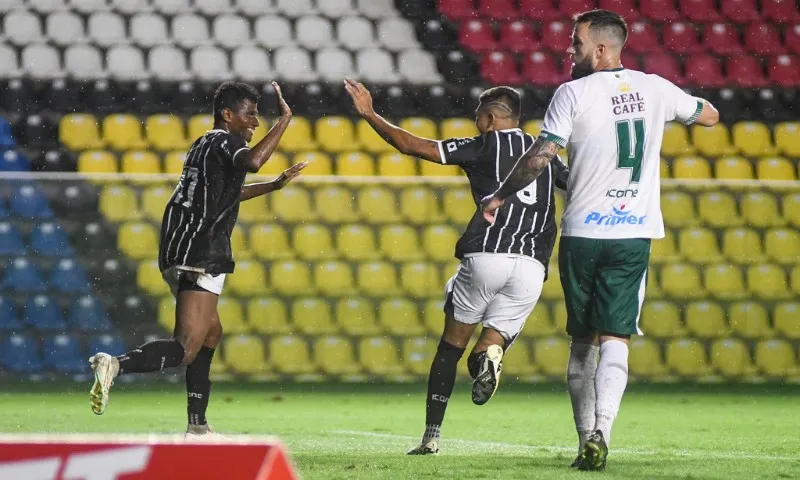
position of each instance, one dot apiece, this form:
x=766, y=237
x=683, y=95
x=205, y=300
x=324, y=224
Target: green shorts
x=604, y=282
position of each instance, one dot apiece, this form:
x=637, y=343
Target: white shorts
x=211, y=283
x=498, y=291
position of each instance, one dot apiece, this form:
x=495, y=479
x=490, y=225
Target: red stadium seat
x=699, y=10
x=659, y=10
x=497, y=9
x=542, y=10
x=541, y=69
x=763, y=39
x=557, y=36
x=500, y=68
x=704, y=71
x=477, y=36
x=782, y=11
x=518, y=36
x=722, y=39
x=784, y=71
x=457, y=9
x=664, y=65
x=740, y=11
x=626, y=8
x=631, y=61
x=793, y=38
x=569, y=8
x=746, y=71
x=681, y=38
x=643, y=37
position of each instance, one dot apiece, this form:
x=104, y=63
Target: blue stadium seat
x=14, y=161
x=49, y=239
x=3, y=210
x=69, y=277
x=20, y=354
x=6, y=137
x=43, y=313
x=22, y=276
x=11, y=240
x=62, y=353
x=9, y=319
x=88, y=314
x=111, y=344
x=28, y=202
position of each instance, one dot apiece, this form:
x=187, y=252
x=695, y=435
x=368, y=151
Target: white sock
x=580, y=380
x=610, y=383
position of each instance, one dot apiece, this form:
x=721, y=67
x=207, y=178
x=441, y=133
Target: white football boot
x=488, y=378
x=106, y=369
x=204, y=433
x=431, y=447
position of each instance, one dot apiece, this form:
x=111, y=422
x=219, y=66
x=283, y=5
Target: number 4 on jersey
x=630, y=146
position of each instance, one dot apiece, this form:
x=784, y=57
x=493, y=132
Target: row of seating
x=57, y=353
x=25, y=201
x=41, y=312
x=45, y=239
x=25, y=276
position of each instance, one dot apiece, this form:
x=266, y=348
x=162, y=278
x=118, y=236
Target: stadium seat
x=419, y=205
x=783, y=245
x=776, y=358
x=312, y=316
x=20, y=354
x=377, y=279
x=107, y=343
x=438, y=242
x=356, y=316
x=433, y=316
x=731, y=358
x=742, y=245
x=154, y=201
x=722, y=39
x=762, y=39
x=687, y=358
x=418, y=354
x=356, y=242
x=791, y=208
x=785, y=319
x=22, y=276
x=292, y=205
x=712, y=141
x=477, y=36
x=173, y=162
x=550, y=355
x=704, y=71
x=336, y=134
x=787, y=138
x=740, y=11
x=794, y=280
x=334, y=356
x=318, y=163
x=718, y=209
x=767, y=282
x=645, y=358
x=539, y=323
x=334, y=278
x=396, y=164
x=87, y=313
x=378, y=205
x=376, y=65
x=78, y=131
x=267, y=316
x=643, y=38
x=69, y=277
x=231, y=315
x=458, y=128
x=165, y=132
x=539, y=68
x=166, y=313
x=269, y=242
x=753, y=139
x=291, y=278
x=733, y=168
x=355, y=32
x=517, y=360
x=9, y=318
x=370, y=140
x=62, y=354
x=118, y=203
x=41, y=62
x=699, y=245
x=355, y=164
x=245, y=354
x=400, y=316
x=746, y=71
x=249, y=279
x=420, y=280
x=335, y=204
x=664, y=250
x=378, y=356
x=681, y=281
x=760, y=209
x=516, y=36
x=676, y=140
x=677, y=209
x=552, y=290
x=725, y=282
x=775, y=168
x=750, y=320
x=138, y=240
x=706, y=319
x=29, y=203
x=11, y=242
x=313, y=242
x=140, y=162
x=664, y=65
x=782, y=70
x=693, y=168
x=123, y=132
x=83, y=63
x=661, y=319
x=400, y=243
x=501, y=68
x=43, y=313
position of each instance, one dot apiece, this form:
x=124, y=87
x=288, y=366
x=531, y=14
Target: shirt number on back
x=630, y=146
x=528, y=194
x=190, y=175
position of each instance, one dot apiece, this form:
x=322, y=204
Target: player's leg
x=198, y=381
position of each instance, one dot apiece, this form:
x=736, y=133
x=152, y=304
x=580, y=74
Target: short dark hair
x=504, y=95
x=605, y=19
x=230, y=94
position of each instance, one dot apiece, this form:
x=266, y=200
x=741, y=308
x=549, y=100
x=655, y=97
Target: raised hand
x=290, y=174
x=362, y=99
x=282, y=105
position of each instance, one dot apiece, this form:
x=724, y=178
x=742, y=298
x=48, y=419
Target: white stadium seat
x=210, y=64
x=87, y=7
x=295, y=8
x=8, y=5
x=418, y=67
x=333, y=64
x=172, y=7
x=251, y=64
x=254, y=8
x=83, y=62
x=41, y=61
x=231, y=31
x=190, y=30
x=375, y=65
x=335, y=8
x=106, y=29
x=355, y=33
x=21, y=27
x=125, y=62
x=397, y=34
x=9, y=63
x=294, y=64
x=47, y=6
x=273, y=31
x=168, y=63
x=313, y=32
x=149, y=29
x=377, y=9
x=213, y=7
x=64, y=28
x=129, y=7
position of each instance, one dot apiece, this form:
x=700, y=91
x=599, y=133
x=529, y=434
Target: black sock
x=152, y=357
x=474, y=363
x=440, y=386
x=198, y=386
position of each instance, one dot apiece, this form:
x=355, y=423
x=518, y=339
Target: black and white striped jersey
x=200, y=215
x=525, y=224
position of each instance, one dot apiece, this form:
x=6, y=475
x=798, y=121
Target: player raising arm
x=502, y=263
x=195, y=247
x=611, y=120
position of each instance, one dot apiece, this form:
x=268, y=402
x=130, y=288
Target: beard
x=580, y=70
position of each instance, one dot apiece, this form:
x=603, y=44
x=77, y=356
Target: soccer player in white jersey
x=611, y=120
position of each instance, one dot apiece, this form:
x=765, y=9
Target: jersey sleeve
x=559, y=117
x=231, y=146
x=680, y=105
x=560, y=173
x=459, y=151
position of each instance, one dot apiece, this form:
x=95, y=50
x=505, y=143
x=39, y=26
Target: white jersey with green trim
x=612, y=124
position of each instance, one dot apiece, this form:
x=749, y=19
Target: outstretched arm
x=404, y=141
x=264, y=149
x=257, y=189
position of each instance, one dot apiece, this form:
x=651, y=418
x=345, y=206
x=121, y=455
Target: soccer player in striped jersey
x=503, y=263
x=611, y=120
x=195, y=248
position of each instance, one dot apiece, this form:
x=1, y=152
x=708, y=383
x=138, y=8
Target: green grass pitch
x=526, y=431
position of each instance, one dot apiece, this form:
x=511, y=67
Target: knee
x=191, y=346
x=214, y=335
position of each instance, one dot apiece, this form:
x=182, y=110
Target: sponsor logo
x=619, y=216
x=623, y=193
x=439, y=398
x=454, y=145
x=108, y=464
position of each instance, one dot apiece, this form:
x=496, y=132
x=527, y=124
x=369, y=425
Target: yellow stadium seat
x=270, y=242
x=267, y=315
x=166, y=313
x=334, y=356
x=334, y=278
x=676, y=140
x=400, y=316
x=154, y=201
x=292, y=204
x=312, y=316
x=458, y=128
x=787, y=138
x=551, y=290
x=253, y=210
x=378, y=205
x=313, y=242
x=431, y=169
x=677, y=208
x=433, y=316
x=318, y=163
x=356, y=242
x=249, y=279
x=706, y=319
x=753, y=139
x=775, y=168
x=783, y=245
x=370, y=140
x=336, y=134
x=260, y=132
x=418, y=355
x=750, y=320
x=517, y=361
x=664, y=250
x=681, y=281
x=277, y=163
x=420, y=280
x=760, y=209
x=290, y=356
x=439, y=242
x=140, y=162
x=400, y=243
x=173, y=162
x=378, y=356
x=396, y=165
x=731, y=358
x=664, y=169
x=661, y=319
x=123, y=132
x=795, y=280
x=733, y=168
x=138, y=240
x=297, y=136
x=560, y=315
x=539, y=323
x=699, y=245
x=420, y=126
x=785, y=316
x=742, y=245
x=653, y=286
x=355, y=164
x=767, y=282
x=231, y=315
x=645, y=358
x=245, y=354
x=687, y=357
x=534, y=127
x=356, y=316
x=149, y=279
x=791, y=208
x=690, y=167
x=551, y=356
x=79, y=131
x=419, y=205
x=97, y=161
x=291, y=278
x=776, y=358
x=198, y=125
x=239, y=243
x=377, y=279
x=459, y=206
x=165, y=132
x=712, y=141
x=718, y=209
x=725, y=282
x=335, y=204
